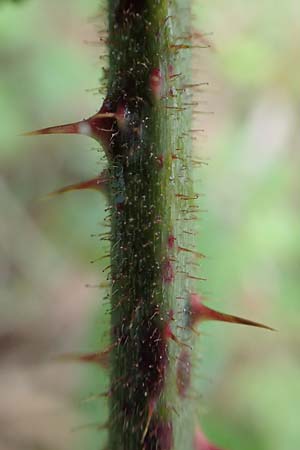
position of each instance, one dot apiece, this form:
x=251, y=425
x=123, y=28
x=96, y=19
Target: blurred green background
x=249, y=379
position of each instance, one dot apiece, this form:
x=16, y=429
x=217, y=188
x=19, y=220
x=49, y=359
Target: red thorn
x=99, y=126
x=201, y=313
x=100, y=358
x=201, y=442
x=93, y=127
x=97, y=358
x=99, y=183
x=70, y=128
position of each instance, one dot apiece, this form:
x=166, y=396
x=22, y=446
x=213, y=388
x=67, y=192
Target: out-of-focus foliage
x=251, y=230
x=249, y=379
x=13, y=1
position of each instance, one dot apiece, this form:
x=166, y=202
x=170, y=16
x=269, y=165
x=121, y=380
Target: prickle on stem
x=101, y=126
x=100, y=358
x=99, y=183
x=200, y=313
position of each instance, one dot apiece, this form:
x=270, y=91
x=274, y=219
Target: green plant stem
x=148, y=165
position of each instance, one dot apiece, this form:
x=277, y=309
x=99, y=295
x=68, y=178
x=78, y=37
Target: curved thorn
x=99, y=183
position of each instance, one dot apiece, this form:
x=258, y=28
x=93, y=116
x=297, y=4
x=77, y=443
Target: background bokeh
x=249, y=379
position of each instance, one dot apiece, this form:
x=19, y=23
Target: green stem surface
x=149, y=166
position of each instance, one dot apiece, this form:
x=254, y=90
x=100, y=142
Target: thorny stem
x=144, y=127
x=142, y=86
